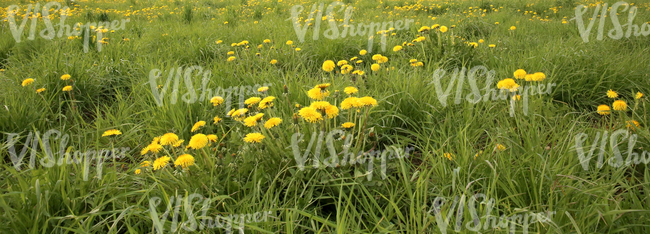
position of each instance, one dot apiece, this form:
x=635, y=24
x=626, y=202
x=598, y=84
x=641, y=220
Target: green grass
x=538, y=171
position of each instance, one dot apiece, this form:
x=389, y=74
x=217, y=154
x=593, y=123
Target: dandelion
x=322, y=105
x=501, y=147
x=161, y=162
x=67, y=88
x=198, y=141
x=383, y=59
x=345, y=69
x=266, y=102
x=231, y=58
x=367, y=101
x=423, y=29
x=347, y=125
x=197, y=125
x=184, y=161
x=272, y=122
x=512, y=28
x=341, y=63
x=529, y=77
x=263, y=89
x=112, y=132
x=375, y=67
x=230, y=53
x=612, y=94
x=254, y=137
x=492, y=45
x=217, y=100
x=331, y=111
x=267, y=41
x=212, y=138
x=520, y=74
x=40, y=90
x=27, y=81
x=619, y=105
x=397, y=48
x=638, y=95
x=178, y=143
x=603, y=110
x=363, y=52
x=481, y=41
x=317, y=93
x=351, y=102
x=252, y=101
x=250, y=121
x=538, y=76
x=273, y=61
x=328, y=65
x=350, y=90
x=65, y=77
x=310, y=114
x=289, y=42
x=137, y=171
x=632, y=124
x=443, y=29
x=508, y=84
x=168, y=139
x=218, y=42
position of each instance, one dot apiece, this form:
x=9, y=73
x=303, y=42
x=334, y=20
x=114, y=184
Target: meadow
x=253, y=116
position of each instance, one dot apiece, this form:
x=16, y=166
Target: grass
x=526, y=162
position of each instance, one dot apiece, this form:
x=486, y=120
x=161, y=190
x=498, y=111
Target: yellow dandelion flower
x=168, y=139
x=145, y=164
x=638, y=95
x=367, y=101
x=65, y=77
x=331, y=111
x=603, y=110
x=178, y=143
x=184, y=161
x=231, y=58
x=322, y=105
x=197, y=125
x=363, y=52
x=351, y=102
x=289, y=42
x=212, y=138
x=375, y=67
x=508, y=84
x=310, y=114
x=67, y=88
x=397, y=48
x=112, y=132
x=266, y=102
x=198, y=141
x=252, y=101
x=329, y=65
x=254, y=137
x=538, y=76
x=520, y=74
x=137, y=171
x=273, y=61
x=443, y=29
x=318, y=94
x=40, y=90
x=612, y=94
x=350, y=90
x=216, y=120
x=263, y=89
x=272, y=122
x=216, y=100
x=27, y=81
x=161, y=162
x=633, y=124
x=347, y=125
x=619, y=105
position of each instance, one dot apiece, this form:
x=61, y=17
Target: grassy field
x=106, y=137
